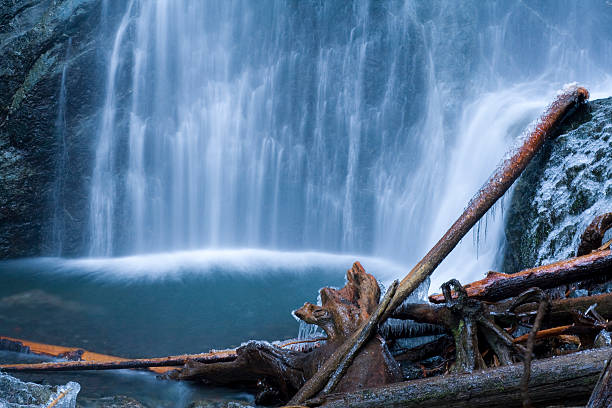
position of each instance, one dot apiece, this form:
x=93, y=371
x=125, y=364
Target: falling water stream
x=249, y=151
x=359, y=127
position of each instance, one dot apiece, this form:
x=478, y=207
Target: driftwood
x=602, y=393
x=544, y=303
x=497, y=286
x=565, y=330
x=121, y=363
x=464, y=318
x=67, y=353
x=277, y=374
x=593, y=235
x=497, y=185
x=560, y=311
x=564, y=380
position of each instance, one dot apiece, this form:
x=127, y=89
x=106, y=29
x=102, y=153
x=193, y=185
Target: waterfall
x=57, y=229
x=359, y=127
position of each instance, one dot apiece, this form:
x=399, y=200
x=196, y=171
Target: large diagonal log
x=496, y=286
x=563, y=380
x=498, y=184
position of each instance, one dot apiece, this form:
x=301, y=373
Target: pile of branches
x=516, y=340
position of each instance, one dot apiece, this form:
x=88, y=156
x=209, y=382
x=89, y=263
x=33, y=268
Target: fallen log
x=560, y=312
x=120, y=363
x=498, y=184
x=592, y=237
x=565, y=380
x=564, y=330
x=498, y=286
x=563, y=310
x=602, y=393
x=68, y=353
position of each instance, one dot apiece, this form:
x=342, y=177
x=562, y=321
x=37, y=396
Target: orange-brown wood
x=90, y=360
x=563, y=330
x=497, y=286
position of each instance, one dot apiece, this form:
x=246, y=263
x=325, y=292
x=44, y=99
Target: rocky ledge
x=566, y=185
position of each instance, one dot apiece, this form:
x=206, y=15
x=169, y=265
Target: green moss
x=39, y=70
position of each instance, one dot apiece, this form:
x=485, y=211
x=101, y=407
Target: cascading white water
x=57, y=229
x=337, y=126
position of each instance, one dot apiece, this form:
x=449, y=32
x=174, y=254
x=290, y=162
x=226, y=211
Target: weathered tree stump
x=277, y=373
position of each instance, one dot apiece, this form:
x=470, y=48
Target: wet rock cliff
x=50, y=88
x=568, y=183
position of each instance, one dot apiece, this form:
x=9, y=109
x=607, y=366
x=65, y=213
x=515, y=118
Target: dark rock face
x=567, y=185
x=46, y=129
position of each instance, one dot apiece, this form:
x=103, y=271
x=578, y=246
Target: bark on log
x=560, y=380
x=498, y=286
x=593, y=235
x=423, y=313
x=602, y=394
x=563, y=310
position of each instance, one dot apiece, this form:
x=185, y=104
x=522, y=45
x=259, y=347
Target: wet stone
x=565, y=186
x=117, y=401
x=15, y=393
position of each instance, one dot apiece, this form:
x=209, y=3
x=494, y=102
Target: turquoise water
x=164, y=304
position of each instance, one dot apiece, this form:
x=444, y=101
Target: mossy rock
x=568, y=183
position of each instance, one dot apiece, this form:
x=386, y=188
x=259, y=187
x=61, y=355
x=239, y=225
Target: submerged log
x=116, y=363
x=68, y=353
x=567, y=380
x=497, y=286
